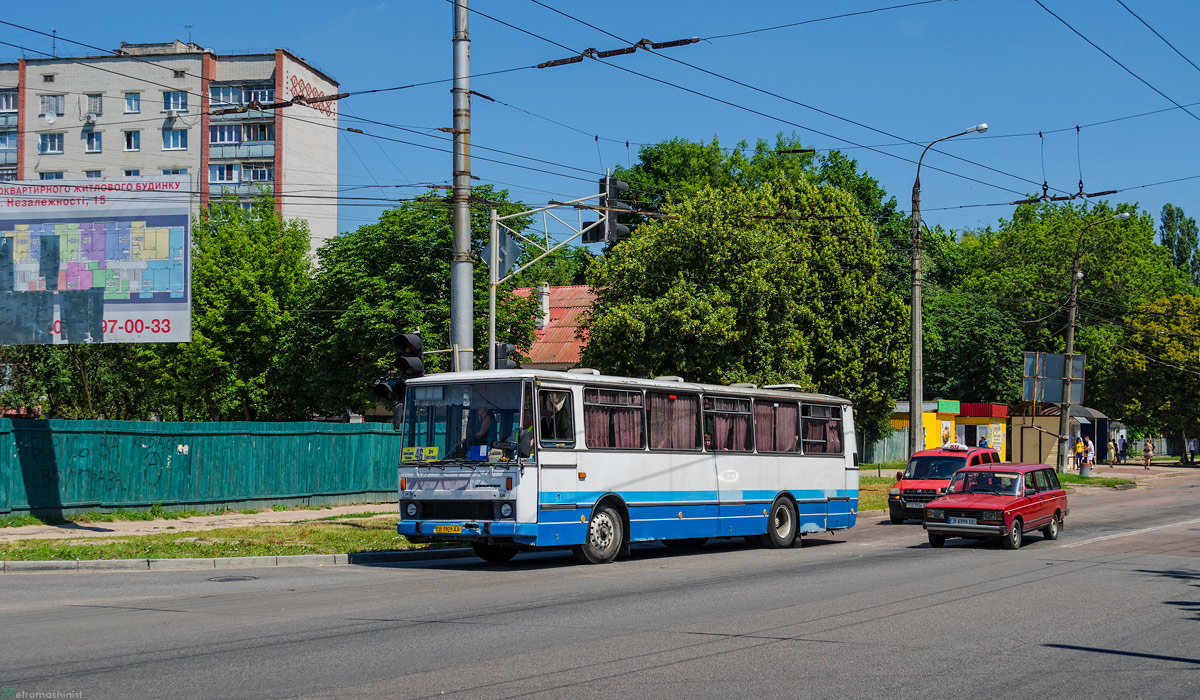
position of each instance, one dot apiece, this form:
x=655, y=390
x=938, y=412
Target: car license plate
x=451, y=529
x=961, y=521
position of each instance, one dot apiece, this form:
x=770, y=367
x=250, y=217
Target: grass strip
x=311, y=537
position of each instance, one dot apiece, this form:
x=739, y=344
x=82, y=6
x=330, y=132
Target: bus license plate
x=961, y=521
x=451, y=529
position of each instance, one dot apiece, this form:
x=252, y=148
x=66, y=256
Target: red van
x=999, y=500
x=928, y=474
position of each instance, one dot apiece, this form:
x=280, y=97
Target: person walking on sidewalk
x=1091, y=452
x=1147, y=451
x=1112, y=452
x=1192, y=449
x=1078, y=452
x=1123, y=445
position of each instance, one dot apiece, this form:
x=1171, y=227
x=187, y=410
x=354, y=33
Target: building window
x=180, y=74
x=262, y=95
x=174, y=139
x=94, y=141
x=50, y=176
x=54, y=104
x=8, y=174
x=133, y=140
x=225, y=95
x=91, y=173
x=175, y=100
x=174, y=171
x=47, y=78
x=50, y=143
x=226, y=133
x=133, y=103
x=95, y=104
x=133, y=173
x=8, y=140
x=8, y=100
x=259, y=132
x=225, y=173
x=258, y=172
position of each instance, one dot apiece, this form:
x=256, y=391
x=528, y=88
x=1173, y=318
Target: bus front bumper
x=468, y=530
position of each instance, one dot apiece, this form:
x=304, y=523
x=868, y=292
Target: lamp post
x=1064, y=421
x=916, y=378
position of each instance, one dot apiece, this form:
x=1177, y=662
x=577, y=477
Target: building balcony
x=8, y=120
x=264, y=149
x=8, y=157
x=243, y=189
x=248, y=115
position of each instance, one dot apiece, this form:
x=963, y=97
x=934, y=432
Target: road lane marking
x=1132, y=532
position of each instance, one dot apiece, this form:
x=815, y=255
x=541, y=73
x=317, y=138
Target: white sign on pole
x=95, y=261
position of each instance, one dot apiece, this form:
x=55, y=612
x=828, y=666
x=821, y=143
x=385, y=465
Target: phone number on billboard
x=129, y=325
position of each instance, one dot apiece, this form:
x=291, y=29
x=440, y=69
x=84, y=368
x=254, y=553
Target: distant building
x=558, y=345
x=147, y=110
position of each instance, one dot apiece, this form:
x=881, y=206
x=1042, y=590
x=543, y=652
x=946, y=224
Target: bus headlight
x=411, y=509
x=506, y=510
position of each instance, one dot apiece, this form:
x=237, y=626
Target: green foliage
x=779, y=283
x=1179, y=236
x=969, y=349
x=564, y=267
x=1156, y=373
x=391, y=277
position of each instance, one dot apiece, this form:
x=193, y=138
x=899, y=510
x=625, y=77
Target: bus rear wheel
x=781, y=525
x=605, y=534
x=494, y=553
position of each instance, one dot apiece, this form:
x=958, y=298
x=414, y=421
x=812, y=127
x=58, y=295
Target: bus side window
x=557, y=419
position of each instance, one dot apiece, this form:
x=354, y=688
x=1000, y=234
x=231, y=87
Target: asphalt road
x=1111, y=609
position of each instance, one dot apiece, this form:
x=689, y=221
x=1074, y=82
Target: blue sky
x=917, y=73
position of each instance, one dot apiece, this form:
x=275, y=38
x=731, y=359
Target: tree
x=969, y=349
x=1179, y=235
x=394, y=276
x=1156, y=375
x=250, y=275
x=779, y=283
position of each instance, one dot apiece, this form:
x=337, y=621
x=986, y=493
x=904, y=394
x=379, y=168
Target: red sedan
x=998, y=500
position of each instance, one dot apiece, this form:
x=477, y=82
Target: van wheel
x=494, y=553
x=605, y=533
x=896, y=519
x=1050, y=532
x=781, y=525
x=1013, y=539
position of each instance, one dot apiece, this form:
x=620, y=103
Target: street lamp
x=1064, y=421
x=917, y=370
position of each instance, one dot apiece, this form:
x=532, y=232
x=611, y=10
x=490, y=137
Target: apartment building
x=177, y=108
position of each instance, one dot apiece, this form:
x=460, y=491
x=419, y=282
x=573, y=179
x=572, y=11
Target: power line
x=819, y=19
x=1160, y=36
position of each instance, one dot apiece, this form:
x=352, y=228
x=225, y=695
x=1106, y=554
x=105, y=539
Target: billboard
x=1045, y=373
x=95, y=261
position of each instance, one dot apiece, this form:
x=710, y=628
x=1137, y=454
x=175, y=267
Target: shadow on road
x=1117, y=652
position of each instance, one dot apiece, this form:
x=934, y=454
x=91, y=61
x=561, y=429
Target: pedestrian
x=1078, y=452
x=1091, y=452
x=1123, y=445
x=1147, y=451
x=1192, y=449
x=1112, y=452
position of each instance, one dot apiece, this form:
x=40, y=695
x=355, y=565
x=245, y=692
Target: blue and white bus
x=510, y=460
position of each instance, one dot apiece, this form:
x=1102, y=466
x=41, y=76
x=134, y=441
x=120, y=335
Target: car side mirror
x=899, y=476
x=1030, y=492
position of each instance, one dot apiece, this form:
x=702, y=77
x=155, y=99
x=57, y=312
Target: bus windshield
x=464, y=421
x=934, y=467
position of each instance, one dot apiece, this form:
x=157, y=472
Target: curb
x=364, y=558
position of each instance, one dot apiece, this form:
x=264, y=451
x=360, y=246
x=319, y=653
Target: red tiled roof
x=983, y=410
x=558, y=343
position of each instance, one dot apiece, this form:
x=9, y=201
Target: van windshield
x=462, y=420
x=934, y=467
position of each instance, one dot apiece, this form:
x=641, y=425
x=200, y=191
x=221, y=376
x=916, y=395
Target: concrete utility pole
x=916, y=377
x=462, y=302
x=1064, y=421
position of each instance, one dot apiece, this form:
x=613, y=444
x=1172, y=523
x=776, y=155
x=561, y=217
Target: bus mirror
x=526, y=443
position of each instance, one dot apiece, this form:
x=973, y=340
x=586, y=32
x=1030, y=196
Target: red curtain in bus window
x=814, y=435
x=787, y=427
x=833, y=436
x=596, y=423
x=764, y=427
x=661, y=415
x=685, y=428
x=627, y=427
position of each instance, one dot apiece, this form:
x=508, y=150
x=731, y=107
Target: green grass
x=873, y=491
x=22, y=520
x=313, y=537
x=155, y=512
x=1108, y=481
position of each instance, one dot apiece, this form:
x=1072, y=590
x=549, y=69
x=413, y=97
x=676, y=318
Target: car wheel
x=936, y=541
x=493, y=553
x=605, y=533
x=690, y=544
x=896, y=519
x=1013, y=539
x=781, y=525
x=1050, y=532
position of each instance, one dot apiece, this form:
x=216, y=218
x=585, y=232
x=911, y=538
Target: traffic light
x=610, y=208
x=411, y=363
x=503, y=350
x=389, y=389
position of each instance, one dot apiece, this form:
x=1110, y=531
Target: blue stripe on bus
x=692, y=497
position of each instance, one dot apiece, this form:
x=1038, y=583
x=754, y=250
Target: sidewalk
x=1135, y=470
x=120, y=528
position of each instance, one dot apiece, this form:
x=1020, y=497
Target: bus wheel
x=781, y=525
x=691, y=544
x=493, y=553
x=605, y=533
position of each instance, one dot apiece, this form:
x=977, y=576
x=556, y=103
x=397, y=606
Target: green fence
x=61, y=467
